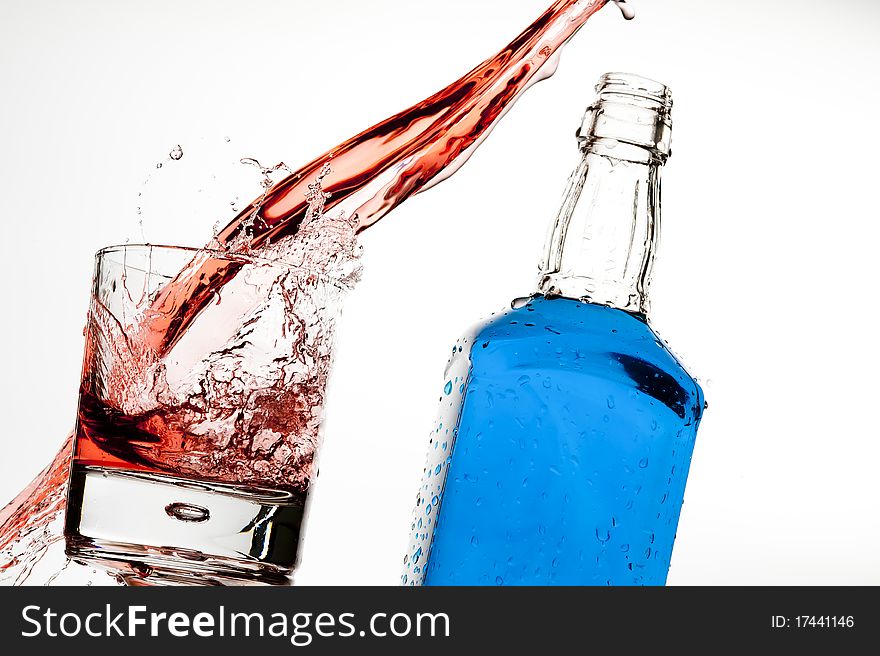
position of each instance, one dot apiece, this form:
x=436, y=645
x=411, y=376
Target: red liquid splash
x=375, y=171
x=26, y=522
x=372, y=173
x=240, y=399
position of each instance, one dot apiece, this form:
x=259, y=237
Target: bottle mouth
x=637, y=88
x=631, y=110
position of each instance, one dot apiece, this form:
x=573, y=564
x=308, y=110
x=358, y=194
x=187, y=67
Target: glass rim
x=230, y=256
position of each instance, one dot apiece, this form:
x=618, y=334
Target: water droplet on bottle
x=521, y=302
x=448, y=389
x=610, y=402
x=643, y=463
x=499, y=580
x=176, y=153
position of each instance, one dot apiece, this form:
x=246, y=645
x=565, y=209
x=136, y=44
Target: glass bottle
x=567, y=426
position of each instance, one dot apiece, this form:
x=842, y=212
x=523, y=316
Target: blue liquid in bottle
x=571, y=452
x=567, y=426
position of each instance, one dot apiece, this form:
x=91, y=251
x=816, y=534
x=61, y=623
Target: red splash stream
x=26, y=521
x=376, y=170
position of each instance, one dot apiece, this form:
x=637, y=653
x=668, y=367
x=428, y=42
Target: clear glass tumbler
x=200, y=415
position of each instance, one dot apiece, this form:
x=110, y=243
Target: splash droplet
x=628, y=12
x=176, y=153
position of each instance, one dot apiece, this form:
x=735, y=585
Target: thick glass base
x=161, y=530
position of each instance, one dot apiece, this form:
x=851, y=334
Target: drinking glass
x=200, y=415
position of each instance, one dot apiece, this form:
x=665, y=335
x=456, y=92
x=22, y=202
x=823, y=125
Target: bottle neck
x=601, y=245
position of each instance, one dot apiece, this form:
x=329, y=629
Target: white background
x=765, y=281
